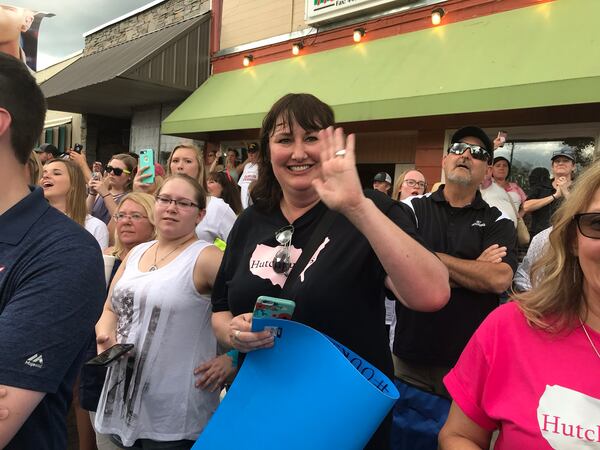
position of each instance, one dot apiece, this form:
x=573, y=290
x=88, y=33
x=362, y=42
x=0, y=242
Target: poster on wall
x=328, y=10
x=19, y=30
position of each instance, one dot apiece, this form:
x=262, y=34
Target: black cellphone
x=77, y=148
x=109, y=355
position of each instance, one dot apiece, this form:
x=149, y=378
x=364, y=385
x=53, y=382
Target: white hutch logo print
x=261, y=262
x=36, y=361
x=568, y=419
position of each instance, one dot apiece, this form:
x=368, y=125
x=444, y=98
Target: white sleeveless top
x=150, y=394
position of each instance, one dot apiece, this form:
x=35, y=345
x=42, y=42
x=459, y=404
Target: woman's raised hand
x=138, y=181
x=339, y=186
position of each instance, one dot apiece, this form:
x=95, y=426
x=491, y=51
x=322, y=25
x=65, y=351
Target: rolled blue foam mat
x=307, y=392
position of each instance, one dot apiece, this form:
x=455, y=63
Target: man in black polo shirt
x=51, y=282
x=477, y=244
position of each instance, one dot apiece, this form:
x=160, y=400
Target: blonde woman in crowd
x=410, y=182
x=531, y=369
x=187, y=159
x=134, y=225
x=65, y=189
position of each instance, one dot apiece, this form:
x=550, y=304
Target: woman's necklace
x=589, y=338
x=155, y=264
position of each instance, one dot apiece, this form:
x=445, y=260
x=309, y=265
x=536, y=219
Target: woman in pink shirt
x=531, y=369
x=500, y=173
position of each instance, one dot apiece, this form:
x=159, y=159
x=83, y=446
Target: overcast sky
x=62, y=34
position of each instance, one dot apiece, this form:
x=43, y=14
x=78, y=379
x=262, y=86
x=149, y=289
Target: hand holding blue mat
x=307, y=392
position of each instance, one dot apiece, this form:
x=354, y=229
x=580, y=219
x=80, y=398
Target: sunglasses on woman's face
x=118, y=172
x=588, y=224
x=477, y=152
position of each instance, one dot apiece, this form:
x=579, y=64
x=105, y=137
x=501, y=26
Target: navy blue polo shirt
x=52, y=288
x=438, y=338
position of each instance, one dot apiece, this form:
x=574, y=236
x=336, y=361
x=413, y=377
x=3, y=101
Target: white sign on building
x=328, y=10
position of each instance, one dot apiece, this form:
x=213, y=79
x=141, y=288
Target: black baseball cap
x=566, y=152
x=383, y=176
x=49, y=148
x=252, y=148
x=477, y=133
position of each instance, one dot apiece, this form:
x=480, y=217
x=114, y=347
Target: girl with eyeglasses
x=531, y=369
x=215, y=227
x=306, y=169
x=166, y=389
x=105, y=194
x=410, y=182
x=64, y=188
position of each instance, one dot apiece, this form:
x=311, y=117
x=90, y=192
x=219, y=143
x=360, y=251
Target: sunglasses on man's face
x=118, y=172
x=588, y=224
x=477, y=152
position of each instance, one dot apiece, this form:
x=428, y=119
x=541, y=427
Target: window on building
x=527, y=155
x=60, y=136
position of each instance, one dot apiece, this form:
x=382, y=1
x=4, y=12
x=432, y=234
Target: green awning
x=543, y=55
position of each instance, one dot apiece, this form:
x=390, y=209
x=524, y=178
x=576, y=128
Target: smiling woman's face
x=295, y=157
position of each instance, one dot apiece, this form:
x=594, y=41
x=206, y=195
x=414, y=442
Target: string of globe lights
x=357, y=35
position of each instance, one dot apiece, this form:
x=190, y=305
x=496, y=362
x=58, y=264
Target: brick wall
x=156, y=18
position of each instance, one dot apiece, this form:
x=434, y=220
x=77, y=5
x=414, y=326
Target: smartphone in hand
x=278, y=308
x=109, y=355
x=147, y=160
x=502, y=135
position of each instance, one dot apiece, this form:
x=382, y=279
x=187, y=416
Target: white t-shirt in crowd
x=98, y=229
x=249, y=174
x=495, y=195
x=217, y=222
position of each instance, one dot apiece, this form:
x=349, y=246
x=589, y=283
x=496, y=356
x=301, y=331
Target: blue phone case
x=277, y=308
x=147, y=159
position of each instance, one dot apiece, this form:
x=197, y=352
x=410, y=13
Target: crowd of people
x=408, y=277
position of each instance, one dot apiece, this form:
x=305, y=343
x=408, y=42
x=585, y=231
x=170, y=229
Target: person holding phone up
x=105, y=194
x=159, y=301
x=187, y=159
x=307, y=168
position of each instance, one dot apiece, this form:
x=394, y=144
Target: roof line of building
x=124, y=16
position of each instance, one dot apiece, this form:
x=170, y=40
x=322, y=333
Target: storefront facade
x=133, y=72
x=522, y=66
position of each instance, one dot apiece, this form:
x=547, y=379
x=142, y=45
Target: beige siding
x=298, y=22
x=247, y=21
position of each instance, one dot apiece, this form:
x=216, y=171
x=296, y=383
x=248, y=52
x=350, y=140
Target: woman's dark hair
x=308, y=112
x=231, y=191
x=539, y=176
x=502, y=158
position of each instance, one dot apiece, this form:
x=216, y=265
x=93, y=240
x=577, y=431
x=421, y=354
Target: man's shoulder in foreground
x=53, y=289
